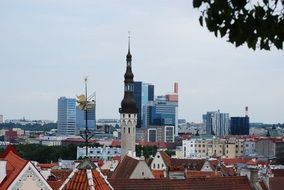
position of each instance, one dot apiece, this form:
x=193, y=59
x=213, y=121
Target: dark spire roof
x=128, y=104
x=128, y=56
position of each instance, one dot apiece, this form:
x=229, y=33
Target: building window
x=129, y=130
x=154, y=165
x=158, y=166
x=142, y=173
x=124, y=129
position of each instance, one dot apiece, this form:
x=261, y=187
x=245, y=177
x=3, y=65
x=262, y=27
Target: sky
x=47, y=48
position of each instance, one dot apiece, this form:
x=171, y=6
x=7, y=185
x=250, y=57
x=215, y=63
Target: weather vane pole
x=86, y=115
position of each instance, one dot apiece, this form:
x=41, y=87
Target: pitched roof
x=166, y=158
x=180, y=164
x=194, y=174
x=15, y=165
x=276, y=183
x=158, y=174
x=86, y=176
x=278, y=172
x=125, y=167
x=212, y=183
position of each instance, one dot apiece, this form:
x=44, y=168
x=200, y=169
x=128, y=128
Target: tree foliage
x=46, y=154
x=259, y=24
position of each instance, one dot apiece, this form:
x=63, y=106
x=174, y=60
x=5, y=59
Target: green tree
x=259, y=24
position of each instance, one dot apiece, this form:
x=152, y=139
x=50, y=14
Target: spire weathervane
x=86, y=103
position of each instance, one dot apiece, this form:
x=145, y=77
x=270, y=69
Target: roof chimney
x=246, y=111
x=176, y=88
x=3, y=172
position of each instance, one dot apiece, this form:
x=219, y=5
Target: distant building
x=240, y=125
x=162, y=112
x=143, y=93
x=10, y=136
x=160, y=134
x=217, y=123
x=1, y=119
x=81, y=118
x=99, y=153
x=66, y=116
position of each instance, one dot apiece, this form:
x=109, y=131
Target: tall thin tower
x=128, y=111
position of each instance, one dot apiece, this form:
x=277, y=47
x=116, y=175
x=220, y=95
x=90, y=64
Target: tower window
x=124, y=129
x=129, y=130
x=129, y=115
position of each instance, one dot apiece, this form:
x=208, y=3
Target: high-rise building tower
x=217, y=123
x=81, y=118
x=143, y=93
x=128, y=111
x=66, y=116
x=240, y=125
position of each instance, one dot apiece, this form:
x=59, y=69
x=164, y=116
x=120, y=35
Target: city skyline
x=47, y=49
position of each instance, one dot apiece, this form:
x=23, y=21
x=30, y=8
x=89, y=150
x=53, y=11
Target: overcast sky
x=48, y=46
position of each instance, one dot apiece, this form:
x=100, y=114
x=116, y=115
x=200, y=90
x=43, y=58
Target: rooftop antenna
x=86, y=103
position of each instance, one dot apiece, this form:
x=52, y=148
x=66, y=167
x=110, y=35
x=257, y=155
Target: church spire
x=128, y=104
x=128, y=56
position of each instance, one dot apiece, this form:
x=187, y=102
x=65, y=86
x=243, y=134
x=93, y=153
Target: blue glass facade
x=143, y=93
x=163, y=112
x=66, y=116
x=81, y=119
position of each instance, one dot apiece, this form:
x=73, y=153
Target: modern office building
x=66, y=116
x=143, y=93
x=162, y=112
x=217, y=123
x=81, y=118
x=240, y=125
x=160, y=134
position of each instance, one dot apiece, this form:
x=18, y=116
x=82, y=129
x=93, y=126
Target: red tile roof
x=213, y=183
x=158, y=174
x=79, y=179
x=276, y=183
x=278, y=172
x=181, y=164
x=166, y=158
x=15, y=165
x=194, y=174
x=46, y=166
x=125, y=168
x=115, y=143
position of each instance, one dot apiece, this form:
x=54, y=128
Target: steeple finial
x=128, y=56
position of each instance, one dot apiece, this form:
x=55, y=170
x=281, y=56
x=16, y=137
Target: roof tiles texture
x=15, y=165
x=213, y=183
x=79, y=181
x=125, y=168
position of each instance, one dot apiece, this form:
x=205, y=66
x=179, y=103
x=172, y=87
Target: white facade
x=100, y=153
x=249, y=148
x=128, y=124
x=158, y=163
x=197, y=147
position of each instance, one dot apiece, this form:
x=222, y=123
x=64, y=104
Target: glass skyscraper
x=143, y=93
x=217, y=123
x=162, y=112
x=81, y=118
x=66, y=116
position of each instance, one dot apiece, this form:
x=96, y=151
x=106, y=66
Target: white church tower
x=128, y=111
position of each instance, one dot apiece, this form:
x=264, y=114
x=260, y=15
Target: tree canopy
x=259, y=24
